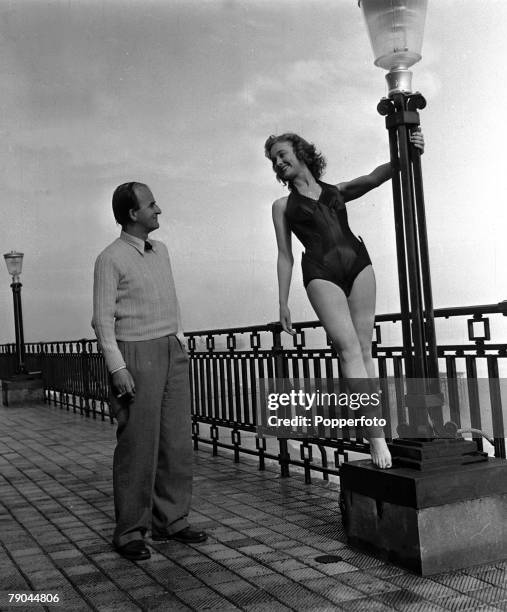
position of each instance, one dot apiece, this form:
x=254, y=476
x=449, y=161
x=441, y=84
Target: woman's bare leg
x=333, y=310
x=362, y=301
x=362, y=311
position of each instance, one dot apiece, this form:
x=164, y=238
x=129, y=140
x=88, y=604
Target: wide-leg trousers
x=152, y=465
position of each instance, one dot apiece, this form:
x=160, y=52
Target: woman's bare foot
x=380, y=454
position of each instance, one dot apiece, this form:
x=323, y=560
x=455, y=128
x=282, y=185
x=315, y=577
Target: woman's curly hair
x=305, y=151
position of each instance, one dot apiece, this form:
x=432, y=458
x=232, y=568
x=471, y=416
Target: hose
x=477, y=431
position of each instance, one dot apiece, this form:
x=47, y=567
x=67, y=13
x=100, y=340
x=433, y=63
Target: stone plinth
x=428, y=522
x=22, y=389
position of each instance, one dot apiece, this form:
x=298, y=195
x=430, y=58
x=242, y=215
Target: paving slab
x=265, y=534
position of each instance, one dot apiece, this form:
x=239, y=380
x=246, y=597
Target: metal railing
x=226, y=365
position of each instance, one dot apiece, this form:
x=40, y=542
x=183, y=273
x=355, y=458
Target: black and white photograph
x=253, y=319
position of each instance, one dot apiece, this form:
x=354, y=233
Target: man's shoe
x=136, y=550
x=187, y=536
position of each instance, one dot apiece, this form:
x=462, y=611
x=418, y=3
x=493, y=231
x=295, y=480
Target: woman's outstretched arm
x=285, y=262
x=351, y=190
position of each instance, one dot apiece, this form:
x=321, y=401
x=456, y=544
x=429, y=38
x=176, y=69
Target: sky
x=182, y=94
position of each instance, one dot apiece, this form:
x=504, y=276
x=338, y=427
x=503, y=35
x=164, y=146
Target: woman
x=337, y=271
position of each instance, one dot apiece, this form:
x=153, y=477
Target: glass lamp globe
x=14, y=261
x=396, y=29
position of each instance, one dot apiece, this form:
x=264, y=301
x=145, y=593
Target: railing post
x=42, y=368
x=85, y=375
x=281, y=371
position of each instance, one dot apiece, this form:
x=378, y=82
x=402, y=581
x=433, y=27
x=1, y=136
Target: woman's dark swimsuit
x=332, y=252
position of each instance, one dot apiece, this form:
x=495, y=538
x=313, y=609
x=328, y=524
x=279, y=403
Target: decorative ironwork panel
x=226, y=367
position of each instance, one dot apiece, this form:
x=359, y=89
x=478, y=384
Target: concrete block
x=22, y=390
x=452, y=530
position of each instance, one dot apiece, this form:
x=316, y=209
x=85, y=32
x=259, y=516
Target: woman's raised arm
x=351, y=190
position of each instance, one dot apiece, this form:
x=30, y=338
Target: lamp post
x=441, y=488
x=396, y=30
x=396, y=33
x=14, y=263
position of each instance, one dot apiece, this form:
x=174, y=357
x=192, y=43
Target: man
x=137, y=321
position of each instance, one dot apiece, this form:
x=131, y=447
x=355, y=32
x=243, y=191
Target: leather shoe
x=136, y=550
x=187, y=536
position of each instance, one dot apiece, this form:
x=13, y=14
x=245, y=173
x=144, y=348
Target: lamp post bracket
x=402, y=118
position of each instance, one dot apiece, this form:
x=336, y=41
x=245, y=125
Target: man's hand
x=183, y=341
x=123, y=383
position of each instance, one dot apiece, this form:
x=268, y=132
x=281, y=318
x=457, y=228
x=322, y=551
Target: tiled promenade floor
x=56, y=517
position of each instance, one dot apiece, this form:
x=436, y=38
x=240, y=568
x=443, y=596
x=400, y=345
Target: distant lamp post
x=14, y=263
x=419, y=513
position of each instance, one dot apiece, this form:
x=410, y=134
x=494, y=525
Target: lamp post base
x=427, y=521
x=435, y=454
x=22, y=389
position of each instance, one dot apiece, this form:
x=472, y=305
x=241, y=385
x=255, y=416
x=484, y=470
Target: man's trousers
x=152, y=465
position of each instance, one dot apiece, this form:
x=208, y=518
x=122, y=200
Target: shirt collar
x=137, y=243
